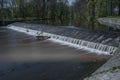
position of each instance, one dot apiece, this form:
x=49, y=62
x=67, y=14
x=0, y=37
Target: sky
x=70, y=1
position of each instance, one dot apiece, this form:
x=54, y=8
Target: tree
x=80, y=12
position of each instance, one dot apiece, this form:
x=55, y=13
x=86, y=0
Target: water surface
x=22, y=57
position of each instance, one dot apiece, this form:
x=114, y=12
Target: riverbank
x=109, y=71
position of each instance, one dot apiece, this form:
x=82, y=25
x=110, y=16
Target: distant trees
x=1, y=9
x=107, y=7
x=3, y=4
x=53, y=9
x=82, y=12
x=57, y=10
x=91, y=13
x=101, y=8
x=86, y=12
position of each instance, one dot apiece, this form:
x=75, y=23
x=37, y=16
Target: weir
x=79, y=43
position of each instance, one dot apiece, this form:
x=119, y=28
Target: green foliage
x=100, y=8
x=82, y=13
x=51, y=9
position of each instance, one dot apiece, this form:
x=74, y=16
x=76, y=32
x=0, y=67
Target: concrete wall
x=110, y=22
x=109, y=71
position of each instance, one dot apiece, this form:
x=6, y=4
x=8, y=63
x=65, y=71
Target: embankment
x=109, y=71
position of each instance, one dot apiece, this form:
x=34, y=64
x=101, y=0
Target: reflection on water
x=22, y=57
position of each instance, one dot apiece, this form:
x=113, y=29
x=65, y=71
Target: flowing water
x=22, y=57
x=100, y=42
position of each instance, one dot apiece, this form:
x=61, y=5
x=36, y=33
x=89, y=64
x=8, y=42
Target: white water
x=81, y=44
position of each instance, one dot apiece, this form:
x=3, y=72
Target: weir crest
x=79, y=43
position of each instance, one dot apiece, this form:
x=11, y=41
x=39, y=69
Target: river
x=22, y=57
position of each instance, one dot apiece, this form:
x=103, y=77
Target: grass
x=112, y=70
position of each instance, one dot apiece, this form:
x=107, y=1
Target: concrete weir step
x=82, y=44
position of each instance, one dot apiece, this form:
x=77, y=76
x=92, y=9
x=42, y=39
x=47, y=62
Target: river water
x=22, y=57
